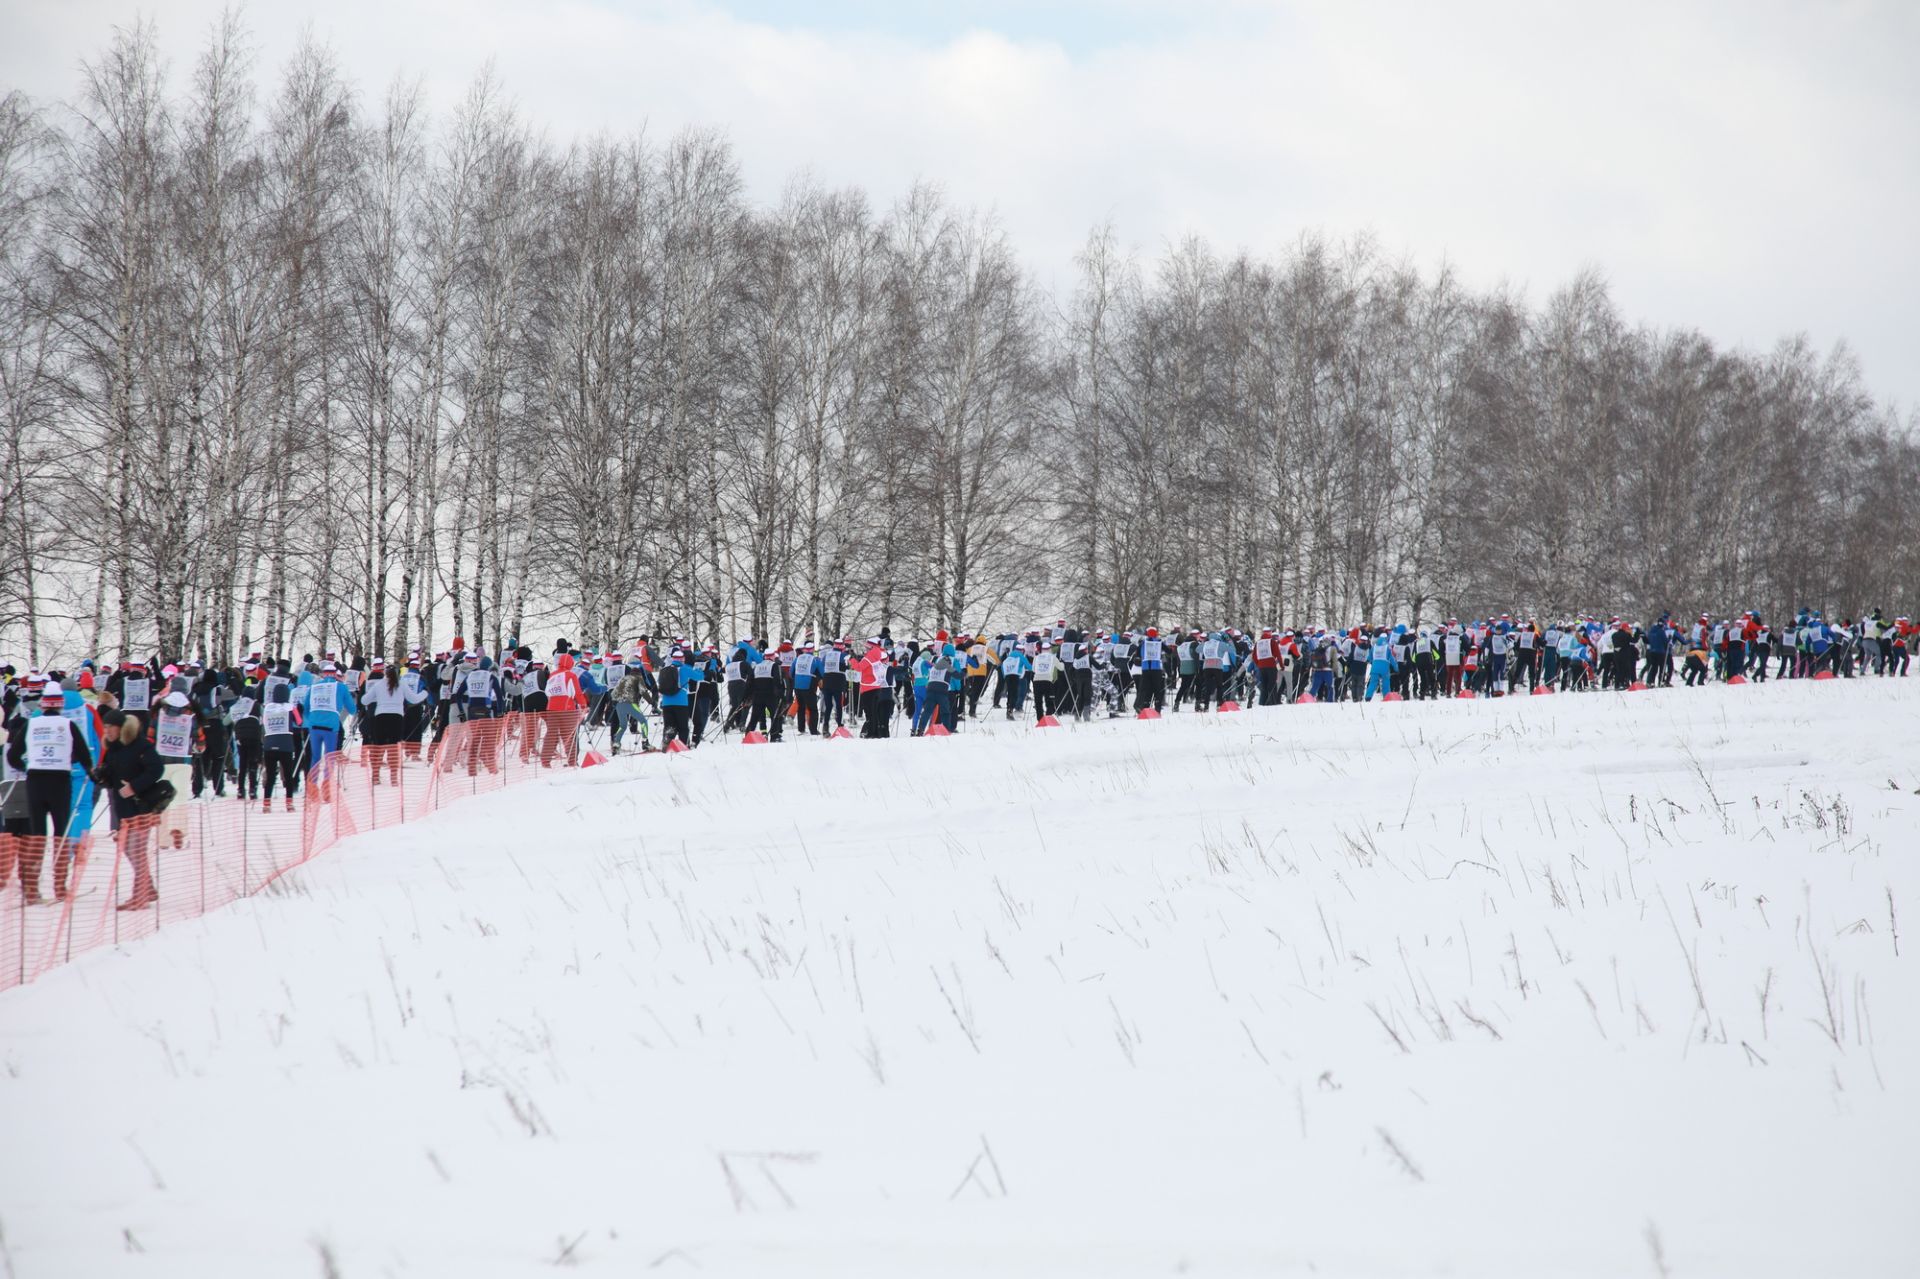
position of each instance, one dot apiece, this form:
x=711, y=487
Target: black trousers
x=49, y=803
x=49, y=799
x=210, y=765
x=249, y=768
x=769, y=708
x=876, y=713
x=679, y=724
x=1150, y=689
x=833, y=699
x=281, y=763
x=738, y=704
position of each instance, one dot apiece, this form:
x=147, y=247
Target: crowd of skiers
x=143, y=734
x=1061, y=670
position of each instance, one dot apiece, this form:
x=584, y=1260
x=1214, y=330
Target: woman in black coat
x=132, y=772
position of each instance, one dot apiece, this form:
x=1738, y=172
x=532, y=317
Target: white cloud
x=1750, y=169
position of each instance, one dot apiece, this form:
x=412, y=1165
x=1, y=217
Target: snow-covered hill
x=1594, y=985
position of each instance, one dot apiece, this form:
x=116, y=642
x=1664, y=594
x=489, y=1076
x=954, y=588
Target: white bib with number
x=137, y=694
x=173, y=735
x=320, y=696
x=50, y=744
x=276, y=719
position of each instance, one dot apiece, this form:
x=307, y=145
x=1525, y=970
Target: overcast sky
x=1750, y=167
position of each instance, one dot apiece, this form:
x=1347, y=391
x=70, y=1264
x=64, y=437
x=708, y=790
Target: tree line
x=301, y=367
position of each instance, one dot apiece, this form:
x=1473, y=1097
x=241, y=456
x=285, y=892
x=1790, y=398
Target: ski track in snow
x=1583, y=985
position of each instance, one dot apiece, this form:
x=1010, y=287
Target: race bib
x=276, y=719
x=557, y=687
x=137, y=694
x=49, y=744
x=321, y=696
x=173, y=736
x=242, y=708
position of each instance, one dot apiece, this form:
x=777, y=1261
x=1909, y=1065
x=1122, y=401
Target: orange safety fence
x=109, y=887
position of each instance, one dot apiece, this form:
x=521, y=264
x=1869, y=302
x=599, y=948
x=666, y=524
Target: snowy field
x=1598, y=985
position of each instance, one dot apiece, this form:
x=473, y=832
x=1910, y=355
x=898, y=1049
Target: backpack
x=670, y=679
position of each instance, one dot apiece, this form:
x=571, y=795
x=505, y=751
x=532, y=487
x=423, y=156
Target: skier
x=833, y=685
x=325, y=704
x=769, y=692
x=245, y=717
x=1266, y=662
x=1046, y=676
x=1150, y=681
x=1380, y=664
x=876, y=690
x=1014, y=668
x=566, y=700
x=282, y=734
x=675, y=680
x=703, y=668
x=805, y=675
x=628, y=696
x=384, y=723
x=47, y=747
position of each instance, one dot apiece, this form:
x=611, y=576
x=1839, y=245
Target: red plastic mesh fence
x=199, y=855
